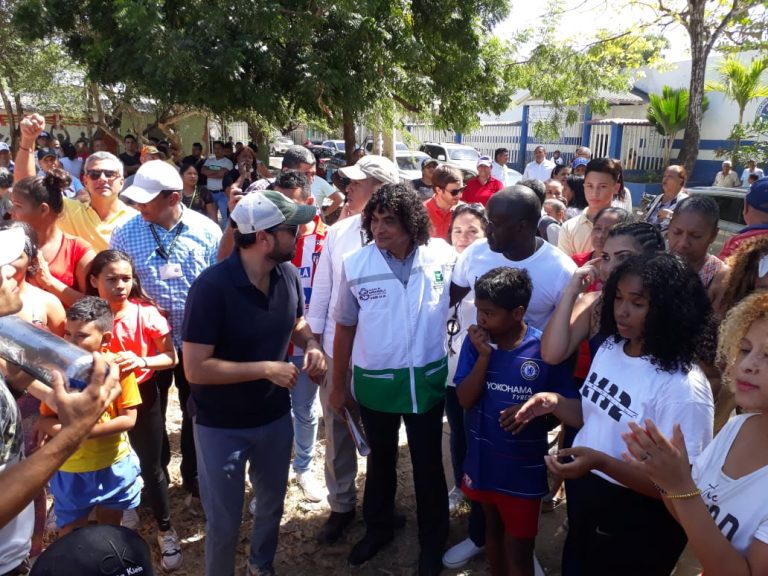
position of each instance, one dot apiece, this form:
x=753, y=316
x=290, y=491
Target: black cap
x=101, y=550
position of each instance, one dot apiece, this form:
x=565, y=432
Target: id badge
x=170, y=271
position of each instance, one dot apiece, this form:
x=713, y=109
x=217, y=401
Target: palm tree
x=741, y=83
x=668, y=113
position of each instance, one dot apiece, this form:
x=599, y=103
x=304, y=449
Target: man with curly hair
x=390, y=323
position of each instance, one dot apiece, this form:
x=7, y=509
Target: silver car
x=731, y=204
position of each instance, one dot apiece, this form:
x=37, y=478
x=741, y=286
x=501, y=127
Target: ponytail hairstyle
x=105, y=257
x=646, y=236
x=46, y=189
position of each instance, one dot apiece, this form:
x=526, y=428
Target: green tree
x=742, y=84
x=668, y=112
x=708, y=23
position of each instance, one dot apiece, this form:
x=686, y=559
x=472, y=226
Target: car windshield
x=400, y=146
x=339, y=145
x=464, y=154
x=410, y=162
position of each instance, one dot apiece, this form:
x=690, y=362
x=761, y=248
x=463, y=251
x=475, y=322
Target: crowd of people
x=512, y=310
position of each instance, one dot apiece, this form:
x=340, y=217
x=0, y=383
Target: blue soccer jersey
x=498, y=460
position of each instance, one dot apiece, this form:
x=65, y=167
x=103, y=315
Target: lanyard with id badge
x=169, y=270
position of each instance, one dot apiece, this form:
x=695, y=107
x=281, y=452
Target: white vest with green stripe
x=399, y=361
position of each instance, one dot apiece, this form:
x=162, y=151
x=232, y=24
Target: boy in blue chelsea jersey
x=499, y=368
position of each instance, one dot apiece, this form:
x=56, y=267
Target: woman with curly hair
x=390, y=327
x=746, y=274
x=659, y=322
x=720, y=500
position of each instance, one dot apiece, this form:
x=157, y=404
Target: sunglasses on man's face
x=96, y=174
x=457, y=191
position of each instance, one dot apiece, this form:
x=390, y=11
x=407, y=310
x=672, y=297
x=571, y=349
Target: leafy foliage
x=668, y=112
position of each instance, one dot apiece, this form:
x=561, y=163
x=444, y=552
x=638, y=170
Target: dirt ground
x=298, y=553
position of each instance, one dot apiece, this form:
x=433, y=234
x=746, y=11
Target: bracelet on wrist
x=145, y=363
x=679, y=496
x=25, y=149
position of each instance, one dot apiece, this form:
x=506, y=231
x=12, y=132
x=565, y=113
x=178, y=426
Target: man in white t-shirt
x=214, y=169
x=540, y=168
x=368, y=175
x=302, y=160
x=513, y=215
x=499, y=168
x=749, y=170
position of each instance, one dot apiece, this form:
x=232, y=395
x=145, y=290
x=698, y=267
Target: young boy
x=499, y=368
x=103, y=473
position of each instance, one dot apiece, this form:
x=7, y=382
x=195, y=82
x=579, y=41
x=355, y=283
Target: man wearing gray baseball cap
x=241, y=315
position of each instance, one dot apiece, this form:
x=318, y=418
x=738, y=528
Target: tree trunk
x=349, y=133
x=699, y=53
x=11, y=116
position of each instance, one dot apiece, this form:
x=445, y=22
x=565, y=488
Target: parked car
x=730, y=201
x=399, y=146
x=458, y=155
x=322, y=155
x=731, y=204
x=279, y=145
x=409, y=164
x=335, y=145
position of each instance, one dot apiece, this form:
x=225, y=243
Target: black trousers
x=612, y=530
x=425, y=445
x=147, y=441
x=188, y=455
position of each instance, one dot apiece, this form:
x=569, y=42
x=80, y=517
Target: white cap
x=11, y=244
x=265, y=209
x=152, y=178
x=372, y=166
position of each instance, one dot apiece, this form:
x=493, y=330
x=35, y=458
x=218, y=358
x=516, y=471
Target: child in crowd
x=499, y=368
x=142, y=343
x=720, y=501
x=103, y=474
x=658, y=322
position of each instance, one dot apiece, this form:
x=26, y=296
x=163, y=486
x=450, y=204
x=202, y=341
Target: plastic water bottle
x=37, y=351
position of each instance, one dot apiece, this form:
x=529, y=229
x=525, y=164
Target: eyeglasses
x=96, y=174
x=457, y=191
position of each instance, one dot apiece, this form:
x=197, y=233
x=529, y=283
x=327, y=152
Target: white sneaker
x=170, y=549
x=455, y=498
x=310, y=487
x=461, y=553
x=131, y=519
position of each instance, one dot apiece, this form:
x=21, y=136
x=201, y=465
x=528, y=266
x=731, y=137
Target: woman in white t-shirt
x=721, y=501
x=468, y=223
x=659, y=322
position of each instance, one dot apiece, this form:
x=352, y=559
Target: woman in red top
x=63, y=259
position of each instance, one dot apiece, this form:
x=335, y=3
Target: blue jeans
x=221, y=455
x=305, y=417
x=221, y=200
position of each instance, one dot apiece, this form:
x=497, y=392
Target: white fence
x=495, y=135
x=642, y=148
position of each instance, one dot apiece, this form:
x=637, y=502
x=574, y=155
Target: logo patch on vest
x=529, y=370
x=439, y=277
x=366, y=294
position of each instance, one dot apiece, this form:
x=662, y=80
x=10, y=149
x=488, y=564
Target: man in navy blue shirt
x=240, y=316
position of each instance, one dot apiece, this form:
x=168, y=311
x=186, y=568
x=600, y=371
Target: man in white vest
x=366, y=176
x=390, y=323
